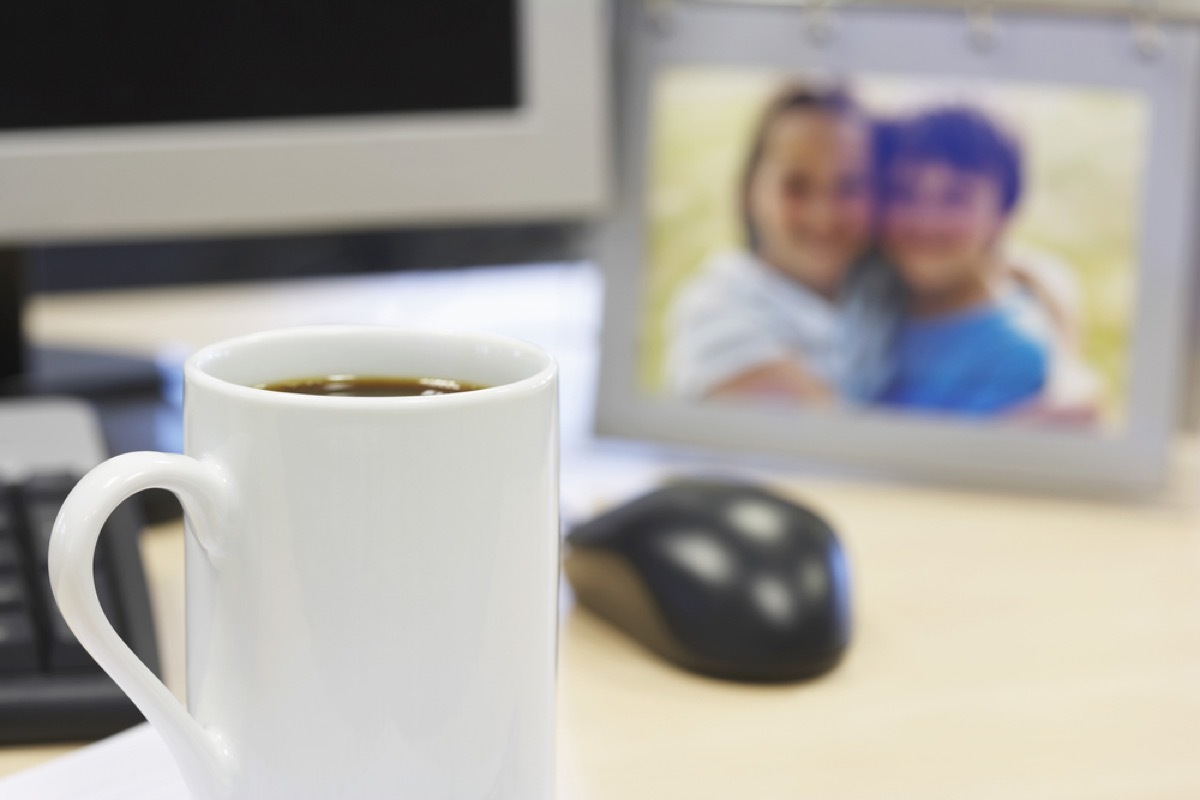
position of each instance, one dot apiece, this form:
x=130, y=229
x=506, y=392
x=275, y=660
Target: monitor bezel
x=547, y=160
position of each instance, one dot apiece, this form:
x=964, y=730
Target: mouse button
x=777, y=603
x=807, y=542
x=699, y=552
x=812, y=580
x=759, y=520
x=696, y=578
x=817, y=573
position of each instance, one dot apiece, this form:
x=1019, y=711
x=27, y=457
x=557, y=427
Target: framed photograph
x=894, y=247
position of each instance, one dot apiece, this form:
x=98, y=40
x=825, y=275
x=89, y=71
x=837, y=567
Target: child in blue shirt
x=951, y=184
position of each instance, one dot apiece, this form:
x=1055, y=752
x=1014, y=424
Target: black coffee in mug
x=370, y=386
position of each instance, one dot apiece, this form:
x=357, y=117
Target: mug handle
x=205, y=494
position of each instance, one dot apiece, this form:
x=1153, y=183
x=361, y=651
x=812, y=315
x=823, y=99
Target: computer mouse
x=723, y=578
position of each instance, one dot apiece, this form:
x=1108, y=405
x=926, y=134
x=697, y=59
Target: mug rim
x=195, y=372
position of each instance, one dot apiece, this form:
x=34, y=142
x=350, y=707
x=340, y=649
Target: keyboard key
x=8, y=518
x=10, y=557
x=10, y=554
x=18, y=648
x=12, y=591
x=41, y=511
x=44, y=496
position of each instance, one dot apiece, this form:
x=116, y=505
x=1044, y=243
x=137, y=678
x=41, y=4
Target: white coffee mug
x=371, y=582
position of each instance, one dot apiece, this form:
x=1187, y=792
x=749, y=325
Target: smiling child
x=768, y=321
x=953, y=181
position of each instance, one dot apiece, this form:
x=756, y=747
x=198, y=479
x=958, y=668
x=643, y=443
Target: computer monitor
x=132, y=119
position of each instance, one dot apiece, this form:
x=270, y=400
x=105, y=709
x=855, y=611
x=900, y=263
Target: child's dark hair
x=795, y=96
x=966, y=139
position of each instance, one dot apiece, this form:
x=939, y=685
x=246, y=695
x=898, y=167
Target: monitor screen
x=127, y=119
x=66, y=64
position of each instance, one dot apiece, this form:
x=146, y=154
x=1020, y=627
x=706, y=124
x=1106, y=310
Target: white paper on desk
x=133, y=765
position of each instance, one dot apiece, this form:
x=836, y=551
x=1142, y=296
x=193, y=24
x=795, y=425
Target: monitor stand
x=127, y=391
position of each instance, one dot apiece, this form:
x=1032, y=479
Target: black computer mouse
x=725, y=579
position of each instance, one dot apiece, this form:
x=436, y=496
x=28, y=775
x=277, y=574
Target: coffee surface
x=370, y=386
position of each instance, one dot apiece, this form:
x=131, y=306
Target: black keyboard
x=50, y=688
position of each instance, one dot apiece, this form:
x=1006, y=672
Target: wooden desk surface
x=1007, y=646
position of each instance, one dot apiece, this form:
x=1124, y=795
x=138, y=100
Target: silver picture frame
x=1091, y=53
